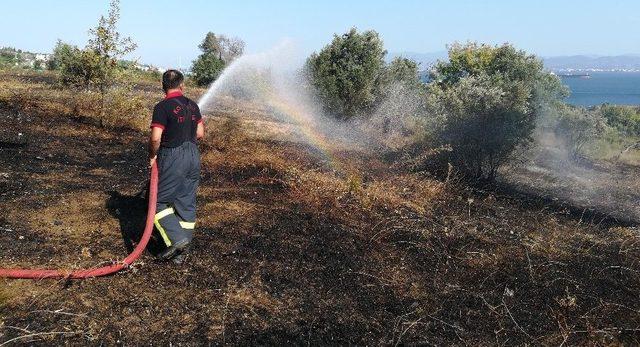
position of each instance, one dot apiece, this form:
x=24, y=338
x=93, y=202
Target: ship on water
x=575, y=75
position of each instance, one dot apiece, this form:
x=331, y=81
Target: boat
x=575, y=75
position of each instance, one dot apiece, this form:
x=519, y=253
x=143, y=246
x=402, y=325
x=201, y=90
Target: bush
x=206, y=69
x=487, y=100
x=625, y=119
x=218, y=51
x=579, y=127
x=347, y=73
x=78, y=68
x=61, y=52
x=403, y=71
x=398, y=120
x=97, y=64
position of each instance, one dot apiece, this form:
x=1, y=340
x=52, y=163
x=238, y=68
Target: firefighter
x=175, y=128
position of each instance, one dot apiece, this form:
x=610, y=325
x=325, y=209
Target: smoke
x=550, y=169
x=272, y=87
x=395, y=122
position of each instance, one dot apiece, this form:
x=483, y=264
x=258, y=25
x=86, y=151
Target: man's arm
x=154, y=144
x=200, y=120
x=200, y=131
x=158, y=123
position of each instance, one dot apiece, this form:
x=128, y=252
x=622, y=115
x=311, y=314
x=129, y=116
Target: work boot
x=174, y=249
x=180, y=258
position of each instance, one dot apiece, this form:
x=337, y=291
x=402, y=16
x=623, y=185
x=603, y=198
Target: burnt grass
x=479, y=267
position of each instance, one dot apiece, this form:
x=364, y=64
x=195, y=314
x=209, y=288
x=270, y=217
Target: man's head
x=172, y=79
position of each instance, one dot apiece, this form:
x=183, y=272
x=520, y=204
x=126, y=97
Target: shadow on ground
x=131, y=212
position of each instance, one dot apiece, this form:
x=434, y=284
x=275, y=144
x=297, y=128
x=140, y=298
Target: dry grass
x=29, y=92
x=56, y=221
x=126, y=109
x=479, y=267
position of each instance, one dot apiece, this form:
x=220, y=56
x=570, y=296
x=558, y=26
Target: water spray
x=273, y=79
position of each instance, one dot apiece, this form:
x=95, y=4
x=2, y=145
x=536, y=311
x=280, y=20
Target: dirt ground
x=290, y=250
x=610, y=188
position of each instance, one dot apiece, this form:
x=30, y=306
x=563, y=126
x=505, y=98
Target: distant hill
x=594, y=63
x=628, y=62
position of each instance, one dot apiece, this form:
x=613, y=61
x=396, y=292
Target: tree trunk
x=102, y=106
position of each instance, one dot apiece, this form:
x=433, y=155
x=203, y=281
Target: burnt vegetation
x=291, y=251
x=433, y=235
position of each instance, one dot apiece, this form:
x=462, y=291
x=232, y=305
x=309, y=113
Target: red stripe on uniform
x=157, y=125
x=200, y=121
x=174, y=94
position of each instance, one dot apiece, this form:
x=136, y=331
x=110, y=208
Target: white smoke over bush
x=273, y=81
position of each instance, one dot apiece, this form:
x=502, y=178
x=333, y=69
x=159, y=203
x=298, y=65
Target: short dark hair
x=171, y=79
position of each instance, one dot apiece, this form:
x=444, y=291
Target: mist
x=607, y=188
x=272, y=83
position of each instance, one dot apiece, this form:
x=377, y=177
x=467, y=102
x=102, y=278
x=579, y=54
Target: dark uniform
x=178, y=168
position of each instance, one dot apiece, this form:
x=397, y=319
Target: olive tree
x=347, y=73
x=488, y=100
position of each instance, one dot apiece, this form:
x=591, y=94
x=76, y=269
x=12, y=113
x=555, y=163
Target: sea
x=618, y=88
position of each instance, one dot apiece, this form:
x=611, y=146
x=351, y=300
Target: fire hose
x=105, y=270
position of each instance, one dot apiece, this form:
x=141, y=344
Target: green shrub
x=206, y=69
x=96, y=66
x=218, y=51
x=78, y=68
x=625, y=119
x=404, y=71
x=347, y=73
x=61, y=53
x=579, y=127
x=487, y=100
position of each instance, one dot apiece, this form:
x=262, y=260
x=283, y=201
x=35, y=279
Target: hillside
x=294, y=246
x=628, y=62
x=586, y=62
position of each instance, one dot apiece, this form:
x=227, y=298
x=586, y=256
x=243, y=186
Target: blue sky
x=169, y=31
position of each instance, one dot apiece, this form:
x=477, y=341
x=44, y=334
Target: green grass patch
x=615, y=146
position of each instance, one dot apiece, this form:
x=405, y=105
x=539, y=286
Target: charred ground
x=291, y=250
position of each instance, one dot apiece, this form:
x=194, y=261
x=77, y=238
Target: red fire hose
x=106, y=270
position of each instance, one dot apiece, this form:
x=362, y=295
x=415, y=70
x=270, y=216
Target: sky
x=168, y=32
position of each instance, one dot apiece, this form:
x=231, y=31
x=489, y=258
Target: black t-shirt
x=179, y=117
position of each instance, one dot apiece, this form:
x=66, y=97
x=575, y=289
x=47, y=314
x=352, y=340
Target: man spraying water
x=175, y=127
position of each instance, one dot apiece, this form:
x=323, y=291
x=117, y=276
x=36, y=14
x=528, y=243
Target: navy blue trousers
x=179, y=176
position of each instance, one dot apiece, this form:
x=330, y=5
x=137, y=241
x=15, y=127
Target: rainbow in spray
x=309, y=128
x=267, y=79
